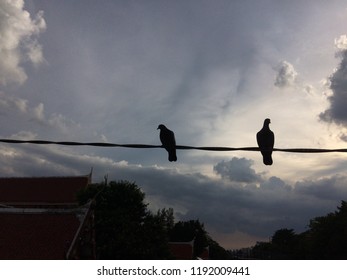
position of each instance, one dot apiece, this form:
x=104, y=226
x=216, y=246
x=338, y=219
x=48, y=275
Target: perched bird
x=167, y=138
x=266, y=141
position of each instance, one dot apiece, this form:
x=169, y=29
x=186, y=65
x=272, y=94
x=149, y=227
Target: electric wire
x=178, y=147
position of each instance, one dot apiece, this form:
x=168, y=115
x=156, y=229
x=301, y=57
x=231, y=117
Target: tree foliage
x=328, y=235
x=125, y=228
x=326, y=238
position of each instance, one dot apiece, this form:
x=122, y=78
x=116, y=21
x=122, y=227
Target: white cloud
x=286, y=75
x=341, y=42
x=10, y=103
x=309, y=89
x=25, y=115
x=18, y=40
x=39, y=112
x=24, y=135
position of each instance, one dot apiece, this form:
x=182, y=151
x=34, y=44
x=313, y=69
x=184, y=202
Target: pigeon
x=266, y=141
x=167, y=138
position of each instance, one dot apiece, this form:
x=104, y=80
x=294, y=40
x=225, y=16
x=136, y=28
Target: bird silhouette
x=167, y=138
x=266, y=141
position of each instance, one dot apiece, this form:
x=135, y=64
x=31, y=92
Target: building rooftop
x=40, y=218
x=41, y=190
x=39, y=233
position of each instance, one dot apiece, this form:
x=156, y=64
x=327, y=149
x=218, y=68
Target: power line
x=179, y=147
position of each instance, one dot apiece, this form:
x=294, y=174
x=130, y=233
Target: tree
x=216, y=251
x=125, y=228
x=284, y=244
x=262, y=251
x=166, y=218
x=327, y=235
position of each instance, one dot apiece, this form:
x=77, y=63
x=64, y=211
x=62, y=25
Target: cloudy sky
x=211, y=71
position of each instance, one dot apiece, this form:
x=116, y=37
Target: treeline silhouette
x=126, y=229
x=326, y=239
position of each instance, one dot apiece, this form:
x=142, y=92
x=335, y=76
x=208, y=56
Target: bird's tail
x=172, y=156
x=267, y=159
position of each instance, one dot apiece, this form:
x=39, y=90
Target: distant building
x=40, y=219
x=182, y=250
x=185, y=250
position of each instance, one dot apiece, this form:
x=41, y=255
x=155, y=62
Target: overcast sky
x=211, y=71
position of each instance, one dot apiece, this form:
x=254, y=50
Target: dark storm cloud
x=230, y=207
x=237, y=170
x=337, y=112
x=224, y=206
x=330, y=188
x=274, y=183
x=343, y=137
